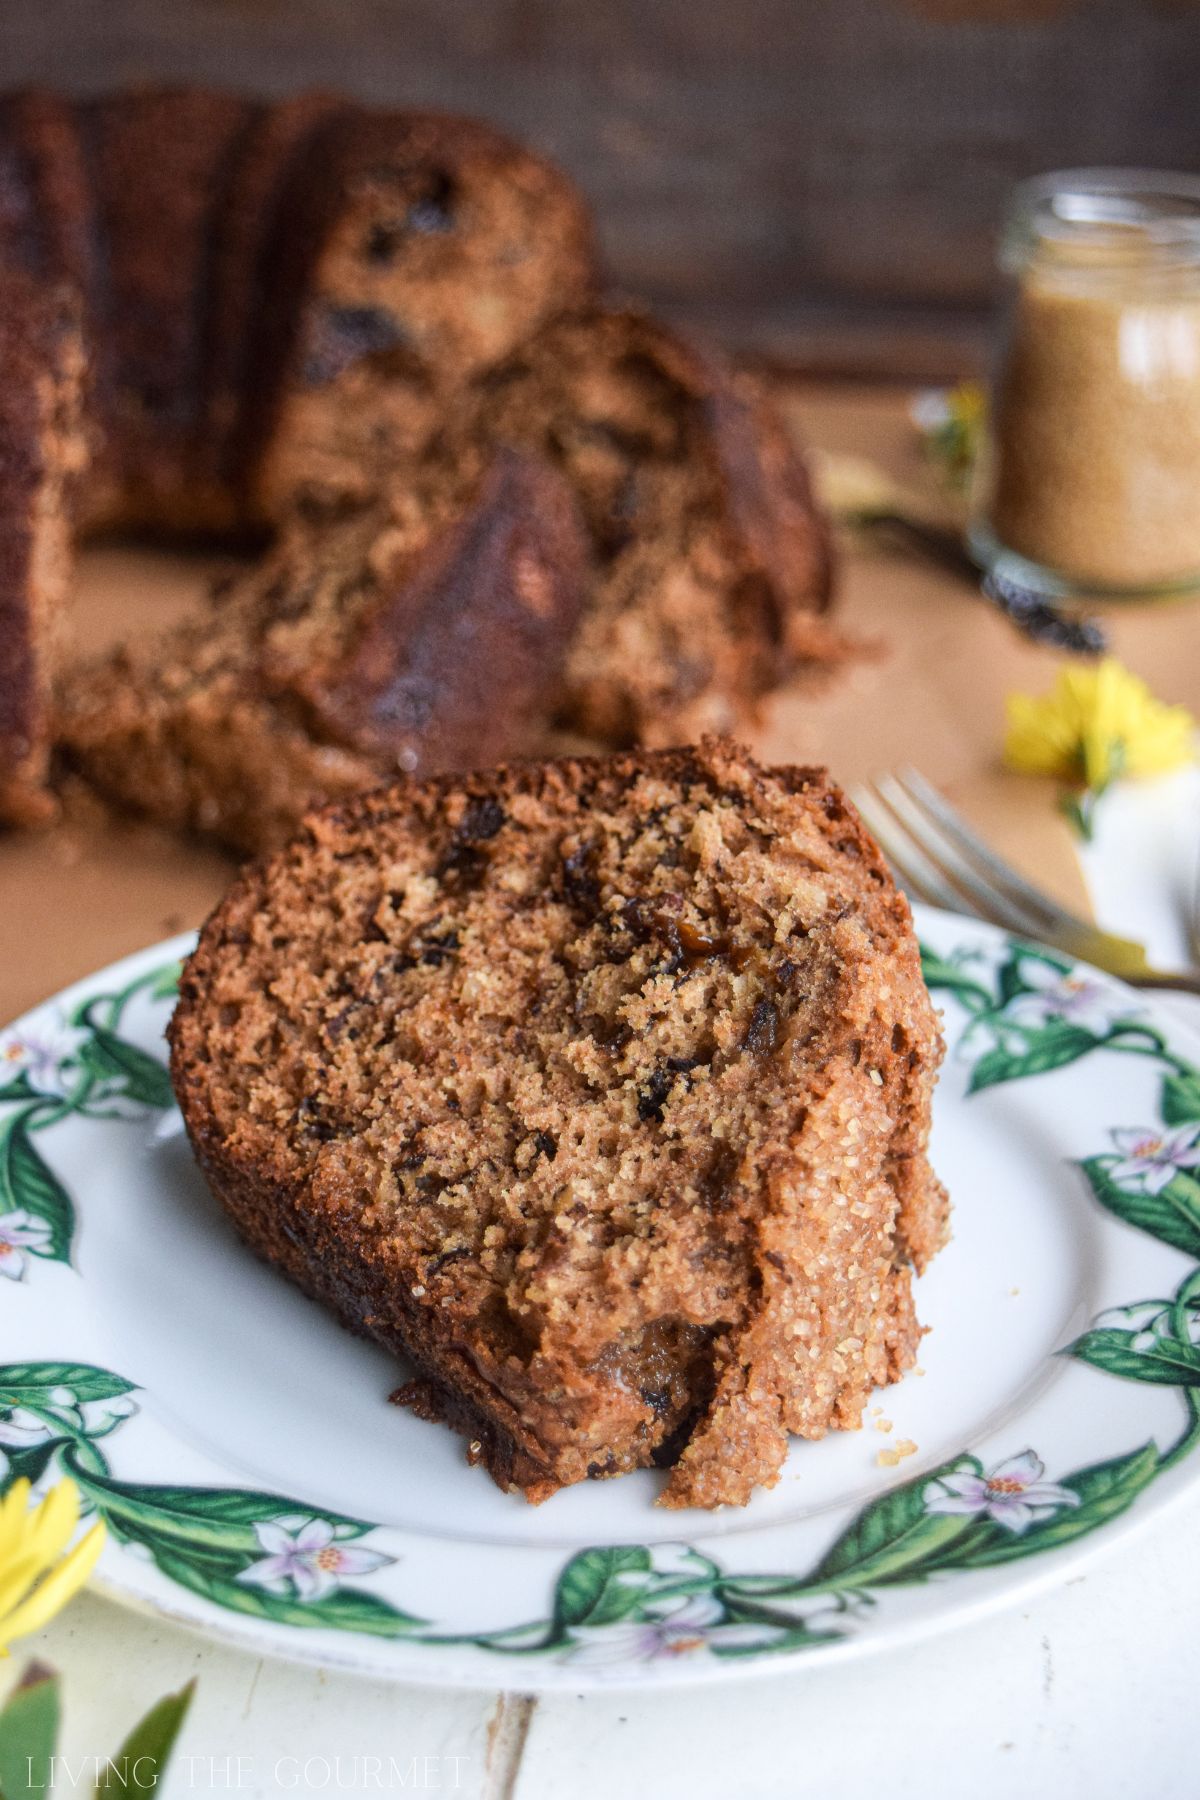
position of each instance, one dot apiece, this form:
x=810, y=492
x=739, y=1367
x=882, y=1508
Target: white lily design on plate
x=1155, y=1156
x=1013, y=1494
x=21, y=1236
x=1070, y=998
x=308, y=1558
x=45, y=1055
x=674, y=1625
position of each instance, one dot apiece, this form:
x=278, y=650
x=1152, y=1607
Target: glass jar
x=1089, y=479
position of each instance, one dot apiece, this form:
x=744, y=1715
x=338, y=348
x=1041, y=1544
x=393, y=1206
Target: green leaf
x=348, y=1609
x=1052, y=1047
x=21, y=1382
x=1011, y=979
x=143, y=1078
x=30, y=1464
x=894, y=1538
x=1172, y=1215
x=216, y=1521
x=1166, y=1361
x=18, y=1089
x=1050, y=959
x=1181, y=1098
x=28, y=1735
x=26, y=1181
x=939, y=973
x=588, y=1591
x=140, y=1763
x=1105, y=1490
x=165, y=984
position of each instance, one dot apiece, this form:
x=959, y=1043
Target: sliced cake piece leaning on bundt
x=712, y=558
x=599, y=1089
x=418, y=634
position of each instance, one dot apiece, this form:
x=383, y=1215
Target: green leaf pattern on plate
x=1028, y=1013
x=80, y=1067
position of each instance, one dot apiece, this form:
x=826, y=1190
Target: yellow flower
x=1099, y=723
x=952, y=426
x=36, y=1579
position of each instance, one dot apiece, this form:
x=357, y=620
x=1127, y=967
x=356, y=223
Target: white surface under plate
x=258, y=1485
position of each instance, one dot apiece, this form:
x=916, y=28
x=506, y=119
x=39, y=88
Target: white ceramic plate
x=258, y=1485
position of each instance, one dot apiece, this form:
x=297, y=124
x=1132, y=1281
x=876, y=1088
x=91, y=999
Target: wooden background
x=817, y=180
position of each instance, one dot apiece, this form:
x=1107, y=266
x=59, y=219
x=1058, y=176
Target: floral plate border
x=296, y=1580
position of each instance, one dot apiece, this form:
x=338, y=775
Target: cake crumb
x=895, y=1453
x=883, y=1424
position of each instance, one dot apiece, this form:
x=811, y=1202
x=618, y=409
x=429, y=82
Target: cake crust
x=425, y=634
x=42, y=454
x=599, y=1089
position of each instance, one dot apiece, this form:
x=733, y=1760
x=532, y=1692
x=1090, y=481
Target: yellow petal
x=60, y=1584
x=1098, y=723
x=1039, y=740
x=13, y=1510
x=17, y=1576
x=52, y=1524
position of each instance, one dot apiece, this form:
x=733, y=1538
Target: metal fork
x=937, y=857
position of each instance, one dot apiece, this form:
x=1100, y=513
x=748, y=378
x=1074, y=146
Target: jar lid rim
x=1163, y=206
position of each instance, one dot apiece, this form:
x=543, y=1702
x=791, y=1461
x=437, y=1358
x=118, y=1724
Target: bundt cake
x=326, y=322
x=422, y=633
x=599, y=1090
x=41, y=454
x=250, y=273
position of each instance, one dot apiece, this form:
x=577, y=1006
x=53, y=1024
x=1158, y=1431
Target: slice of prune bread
x=599, y=1089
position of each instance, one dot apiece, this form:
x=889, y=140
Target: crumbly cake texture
x=597, y=1088
x=416, y=635
x=712, y=561
x=274, y=298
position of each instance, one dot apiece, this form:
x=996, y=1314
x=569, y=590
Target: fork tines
x=938, y=858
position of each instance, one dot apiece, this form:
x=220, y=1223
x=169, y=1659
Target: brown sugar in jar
x=1090, y=480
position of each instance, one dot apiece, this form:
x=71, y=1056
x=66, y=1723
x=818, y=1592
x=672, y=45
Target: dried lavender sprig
x=1039, y=619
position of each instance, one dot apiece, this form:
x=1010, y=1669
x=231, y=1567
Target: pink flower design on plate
x=21, y=1235
x=308, y=1558
x=1013, y=1494
x=1073, y=999
x=45, y=1056
x=681, y=1625
x=1155, y=1156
